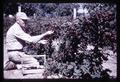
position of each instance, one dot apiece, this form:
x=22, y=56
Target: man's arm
x=43, y=42
x=39, y=37
x=26, y=37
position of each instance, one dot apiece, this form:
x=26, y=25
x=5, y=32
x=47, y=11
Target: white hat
x=22, y=15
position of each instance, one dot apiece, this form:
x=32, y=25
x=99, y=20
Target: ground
x=17, y=74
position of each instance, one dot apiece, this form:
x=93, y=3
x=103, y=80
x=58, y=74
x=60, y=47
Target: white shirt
x=15, y=32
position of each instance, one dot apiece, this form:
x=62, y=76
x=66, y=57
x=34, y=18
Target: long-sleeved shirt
x=16, y=32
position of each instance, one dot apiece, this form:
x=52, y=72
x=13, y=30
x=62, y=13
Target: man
x=14, y=41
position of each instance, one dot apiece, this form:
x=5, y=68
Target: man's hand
x=49, y=32
x=43, y=41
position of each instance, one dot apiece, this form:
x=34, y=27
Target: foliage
x=69, y=56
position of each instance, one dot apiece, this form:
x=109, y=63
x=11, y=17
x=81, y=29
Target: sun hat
x=22, y=15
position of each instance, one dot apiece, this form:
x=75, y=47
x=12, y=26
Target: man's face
x=22, y=22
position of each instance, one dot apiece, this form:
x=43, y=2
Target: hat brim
x=26, y=18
